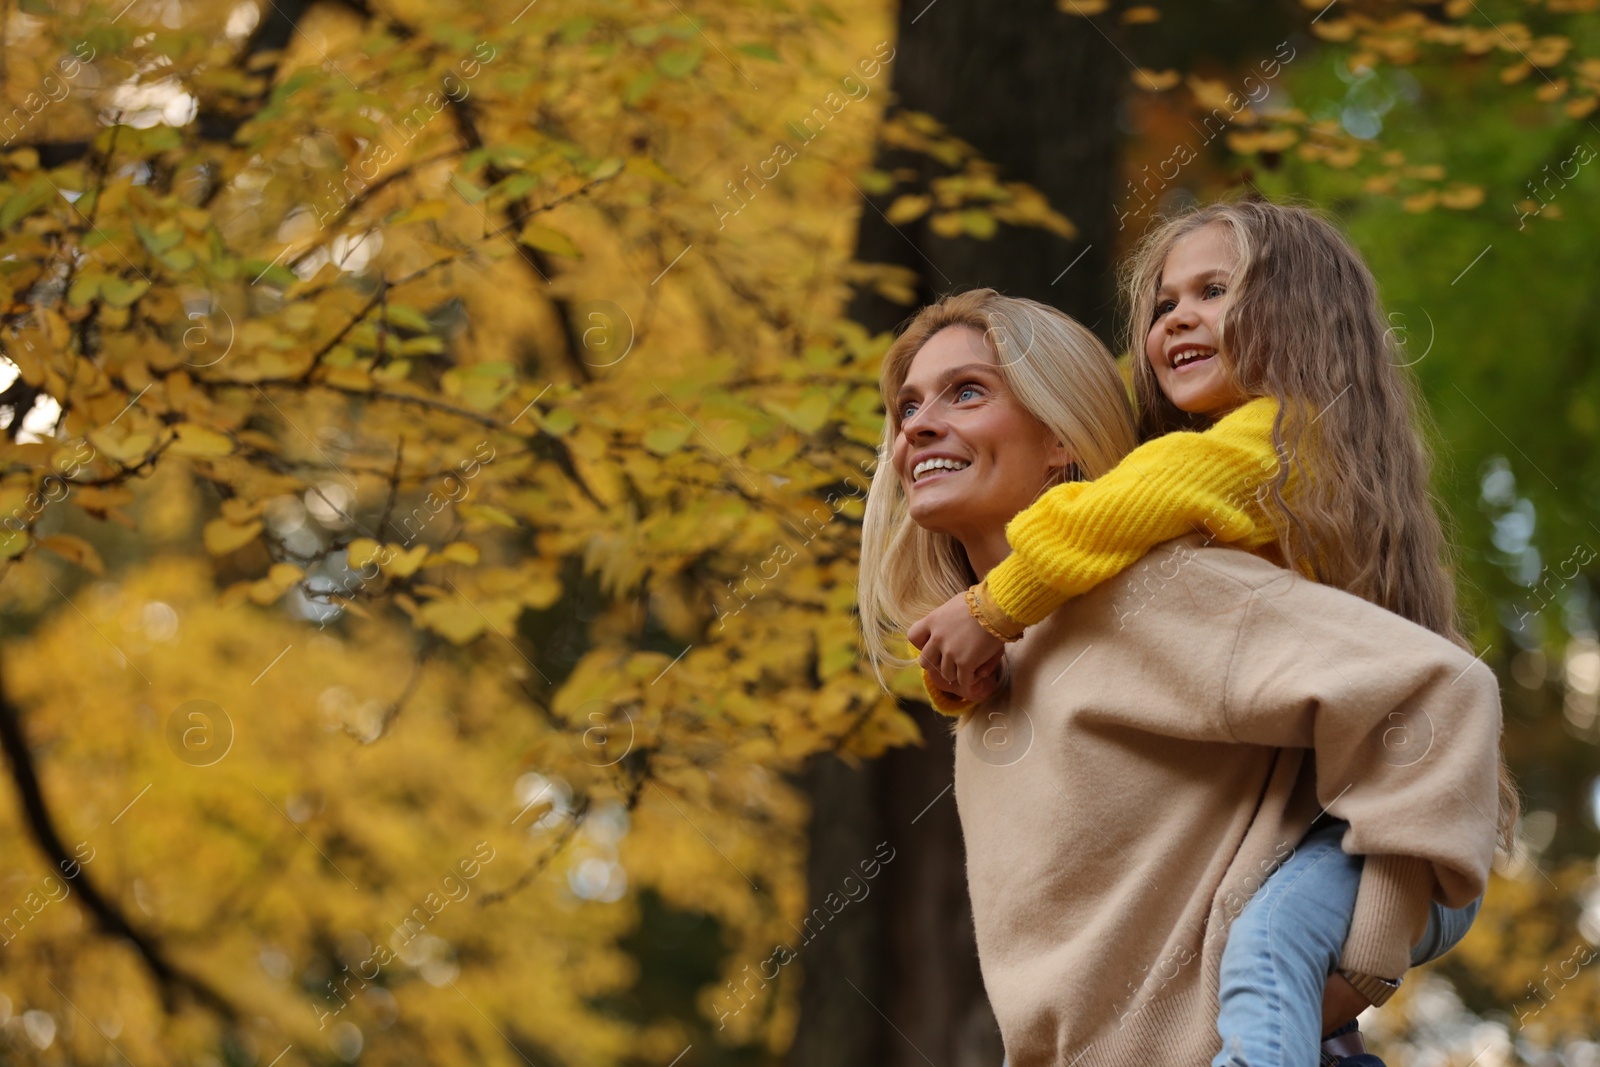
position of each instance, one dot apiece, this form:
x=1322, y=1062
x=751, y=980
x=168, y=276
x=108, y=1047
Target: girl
x=1277, y=418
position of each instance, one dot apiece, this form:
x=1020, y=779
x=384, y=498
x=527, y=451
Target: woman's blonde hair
x=1058, y=371
x=1304, y=324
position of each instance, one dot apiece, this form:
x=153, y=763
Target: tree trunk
x=894, y=977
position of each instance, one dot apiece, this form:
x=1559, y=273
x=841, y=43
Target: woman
x=1117, y=821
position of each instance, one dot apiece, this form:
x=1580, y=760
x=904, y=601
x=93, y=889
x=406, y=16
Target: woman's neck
x=986, y=550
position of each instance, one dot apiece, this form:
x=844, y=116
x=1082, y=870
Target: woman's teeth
x=938, y=464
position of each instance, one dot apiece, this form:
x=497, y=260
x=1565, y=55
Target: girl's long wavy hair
x=1058, y=371
x=1304, y=324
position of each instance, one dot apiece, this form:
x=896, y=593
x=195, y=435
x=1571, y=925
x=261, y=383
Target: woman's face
x=968, y=454
x=1185, y=331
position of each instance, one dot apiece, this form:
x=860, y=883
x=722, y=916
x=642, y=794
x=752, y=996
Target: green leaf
x=559, y=422
x=157, y=243
x=978, y=223
x=638, y=88
x=85, y=287
x=575, y=30
x=426, y=344
x=467, y=189
x=12, y=542
x=120, y=292
x=875, y=182
x=514, y=186
x=760, y=51
x=25, y=203
x=809, y=415
x=408, y=317
x=294, y=83
x=664, y=440
x=680, y=62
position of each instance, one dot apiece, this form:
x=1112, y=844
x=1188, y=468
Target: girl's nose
x=1180, y=318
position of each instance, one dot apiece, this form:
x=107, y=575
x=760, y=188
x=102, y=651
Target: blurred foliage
x=436, y=447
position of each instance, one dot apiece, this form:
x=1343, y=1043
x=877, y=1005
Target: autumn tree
x=435, y=443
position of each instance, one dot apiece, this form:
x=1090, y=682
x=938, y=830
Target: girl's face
x=1182, y=343
x=968, y=454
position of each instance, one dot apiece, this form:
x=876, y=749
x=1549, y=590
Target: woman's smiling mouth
x=937, y=465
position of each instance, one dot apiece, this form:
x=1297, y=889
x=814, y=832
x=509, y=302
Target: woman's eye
x=906, y=411
x=965, y=389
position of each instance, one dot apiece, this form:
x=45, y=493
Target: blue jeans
x=1285, y=944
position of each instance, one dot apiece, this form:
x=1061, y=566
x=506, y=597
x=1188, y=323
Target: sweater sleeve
x=1404, y=727
x=945, y=703
x=1077, y=535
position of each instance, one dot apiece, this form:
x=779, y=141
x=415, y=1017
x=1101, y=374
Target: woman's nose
x=923, y=423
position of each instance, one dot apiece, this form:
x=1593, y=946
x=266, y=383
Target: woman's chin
x=933, y=512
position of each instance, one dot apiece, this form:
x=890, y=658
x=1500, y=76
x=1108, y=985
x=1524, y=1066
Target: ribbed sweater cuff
x=1390, y=916
x=1019, y=591
x=944, y=703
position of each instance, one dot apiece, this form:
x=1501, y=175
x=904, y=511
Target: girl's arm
x=1077, y=535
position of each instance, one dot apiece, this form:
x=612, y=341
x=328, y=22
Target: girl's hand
x=1340, y=1003
x=958, y=651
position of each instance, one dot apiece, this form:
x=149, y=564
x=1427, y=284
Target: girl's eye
x=1162, y=307
x=1215, y=289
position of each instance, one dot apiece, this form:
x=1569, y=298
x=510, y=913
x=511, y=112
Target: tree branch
x=170, y=978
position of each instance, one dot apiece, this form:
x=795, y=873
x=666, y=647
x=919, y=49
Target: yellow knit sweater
x=1078, y=535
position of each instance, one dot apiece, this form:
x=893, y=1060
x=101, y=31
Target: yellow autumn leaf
x=126, y=450
x=353, y=378
x=1513, y=74
x=908, y=208
x=1420, y=202
x=453, y=618
x=75, y=549
x=1083, y=7
x=946, y=224
x=459, y=620
x=478, y=516
x=1334, y=29
x=463, y=552
x=13, y=542
x=403, y=562
x=199, y=442
x=1462, y=197
x=1156, y=81
x=280, y=578
x=361, y=551
x=546, y=239
x=222, y=537
x=978, y=223
x=1551, y=90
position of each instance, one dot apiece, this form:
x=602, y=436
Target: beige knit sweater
x=1164, y=742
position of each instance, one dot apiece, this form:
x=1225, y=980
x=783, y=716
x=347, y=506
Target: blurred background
x=435, y=437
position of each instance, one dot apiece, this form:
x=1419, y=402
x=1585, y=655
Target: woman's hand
x=956, y=649
x=1340, y=1003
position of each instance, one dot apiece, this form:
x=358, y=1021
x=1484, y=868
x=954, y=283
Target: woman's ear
x=1061, y=456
